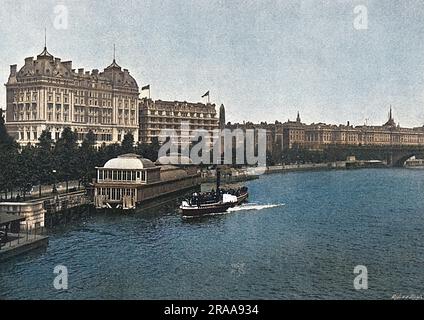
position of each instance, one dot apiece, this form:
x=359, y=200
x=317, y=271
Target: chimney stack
x=29, y=60
x=13, y=69
x=67, y=64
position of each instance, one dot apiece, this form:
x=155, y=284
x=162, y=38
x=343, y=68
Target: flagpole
x=208, y=95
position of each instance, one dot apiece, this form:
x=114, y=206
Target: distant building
x=159, y=115
x=317, y=136
x=274, y=137
x=48, y=94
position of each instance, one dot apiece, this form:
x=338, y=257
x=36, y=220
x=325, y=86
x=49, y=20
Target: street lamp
x=54, y=191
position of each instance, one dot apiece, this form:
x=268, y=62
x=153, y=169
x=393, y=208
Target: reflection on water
x=300, y=236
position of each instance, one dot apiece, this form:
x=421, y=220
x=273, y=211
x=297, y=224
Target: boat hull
x=242, y=198
x=205, y=209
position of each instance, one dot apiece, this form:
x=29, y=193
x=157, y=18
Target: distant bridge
x=398, y=155
x=395, y=155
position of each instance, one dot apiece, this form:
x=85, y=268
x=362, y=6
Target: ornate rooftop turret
x=113, y=65
x=391, y=121
x=120, y=78
x=222, y=117
x=45, y=54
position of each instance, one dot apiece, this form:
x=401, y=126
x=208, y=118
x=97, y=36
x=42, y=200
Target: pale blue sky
x=263, y=59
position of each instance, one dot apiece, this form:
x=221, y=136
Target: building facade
x=169, y=115
x=274, y=137
x=317, y=136
x=48, y=94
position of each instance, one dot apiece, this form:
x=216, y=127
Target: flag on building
x=145, y=87
x=206, y=94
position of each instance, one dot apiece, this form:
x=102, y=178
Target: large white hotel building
x=48, y=94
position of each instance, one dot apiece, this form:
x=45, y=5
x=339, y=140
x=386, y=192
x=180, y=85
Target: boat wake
x=243, y=207
x=205, y=215
x=254, y=206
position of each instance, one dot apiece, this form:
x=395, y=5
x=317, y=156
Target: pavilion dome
x=129, y=161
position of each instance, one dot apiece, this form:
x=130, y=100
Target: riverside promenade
x=15, y=240
x=232, y=175
x=306, y=167
x=22, y=243
x=22, y=224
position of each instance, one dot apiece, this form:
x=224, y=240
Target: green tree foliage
x=128, y=143
x=297, y=154
x=9, y=151
x=26, y=175
x=149, y=151
x=23, y=168
x=106, y=152
x=43, y=157
x=5, y=139
x=88, y=159
x=331, y=153
x=66, y=156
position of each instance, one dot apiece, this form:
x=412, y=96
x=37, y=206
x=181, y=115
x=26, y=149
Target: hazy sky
x=263, y=59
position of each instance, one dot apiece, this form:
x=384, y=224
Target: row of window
x=97, y=136
x=93, y=94
x=179, y=114
x=32, y=94
x=32, y=136
x=80, y=101
x=26, y=106
x=57, y=117
x=121, y=175
x=25, y=116
x=28, y=136
x=173, y=120
x=116, y=194
x=377, y=138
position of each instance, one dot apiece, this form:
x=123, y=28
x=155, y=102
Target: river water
x=301, y=236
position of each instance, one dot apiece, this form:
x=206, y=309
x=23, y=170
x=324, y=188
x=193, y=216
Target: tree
x=87, y=159
x=5, y=139
x=106, y=152
x=65, y=156
x=27, y=172
x=149, y=150
x=127, y=145
x=44, y=159
x=9, y=151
